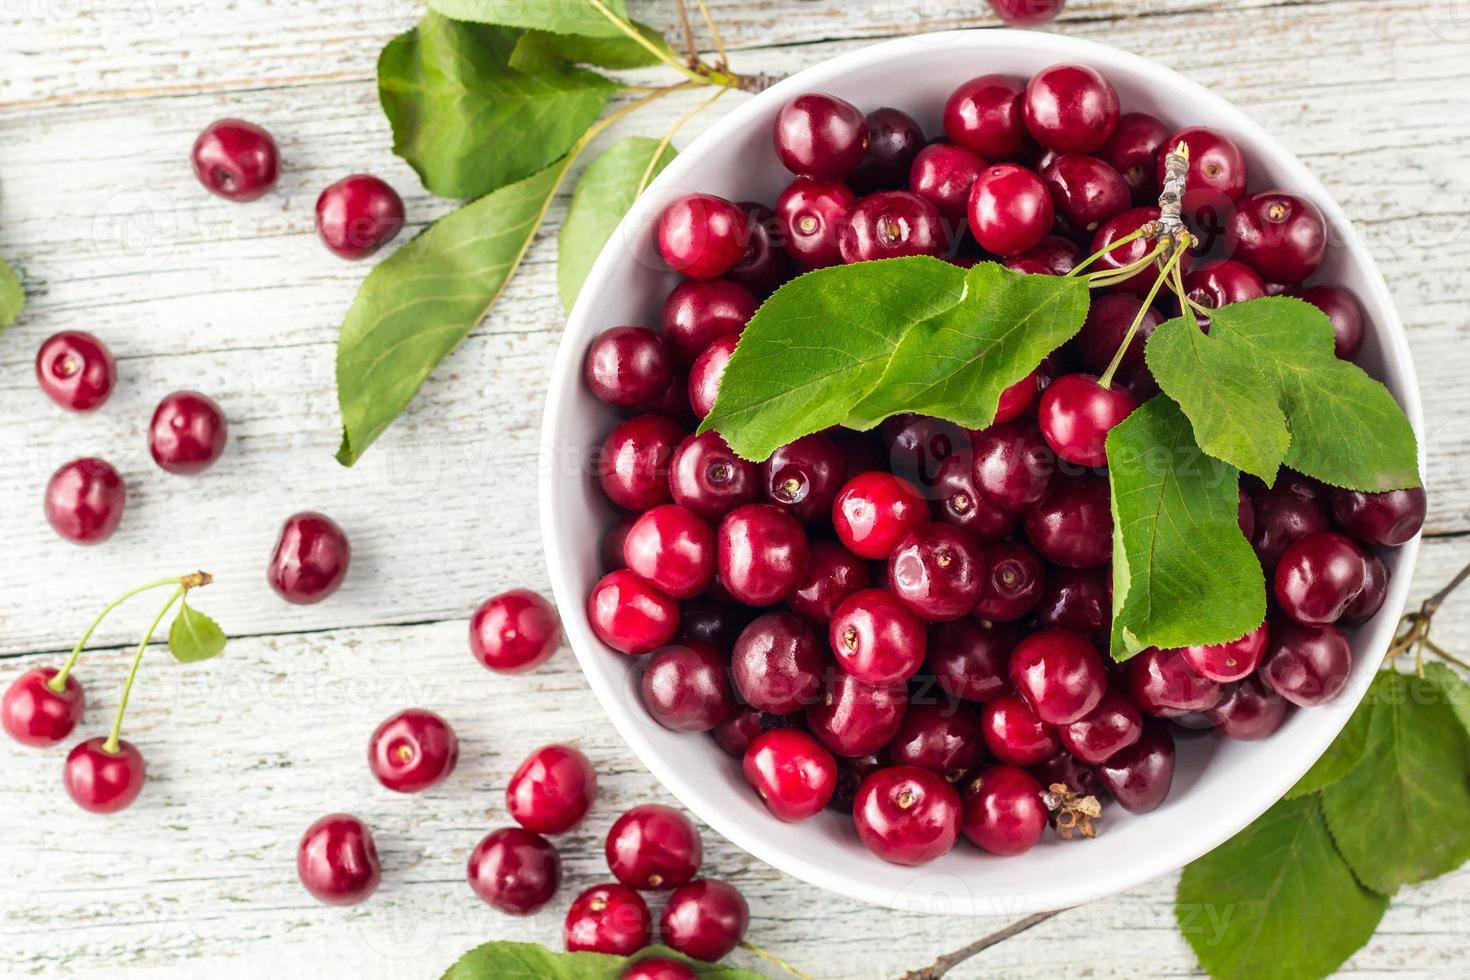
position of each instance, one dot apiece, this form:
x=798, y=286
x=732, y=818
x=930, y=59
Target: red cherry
x=610, y=919
x=699, y=312
x=1307, y=665
x=1076, y=415
x=85, y=501
x=811, y=215
x=1076, y=599
x=628, y=366
x=1014, y=584
x=630, y=614
x=983, y=115
x=791, y=771
x=515, y=631
x=894, y=139
x=34, y=713
x=674, y=549
x=708, y=478
x=1003, y=811
x=686, y=687
x=1014, y=467
x=778, y=663
x=358, y=215
x=762, y=554
x=1086, y=191
x=653, y=847
x=1249, y=711
x=633, y=466
x=188, y=433
x=1060, y=674
x=235, y=159
x=1347, y=316
x=413, y=750
x=1070, y=108
x=1113, y=725
x=1010, y=209
x=1161, y=682
x=1073, y=524
x=1134, y=150
x=1215, y=162
x=1389, y=519
x=907, y=815
x=1220, y=283
x=552, y=790
x=1014, y=733
x=1117, y=257
x=1318, y=577
x=704, y=919
x=937, y=571
x=943, y=174
x=1227, y=662
x=943, y=738
x=832, y=574
x=515, y=871
x=1027, y=13
x=310, y=560
x=103, y=780
x=876, y=638
x=874, y=510
x=76, y=371
x=854, y=719
x=892, y=225
x=1280, y=235
x=1139, y=776
x=702, y=236
x=659, y=968
x=337, y=860
x=820, y=136
x=959, y=502
x=968, y=658
x=766, y=264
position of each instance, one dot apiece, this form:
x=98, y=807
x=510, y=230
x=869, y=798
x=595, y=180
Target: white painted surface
x=99, y=102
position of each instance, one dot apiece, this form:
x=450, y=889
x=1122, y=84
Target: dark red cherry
x=762, y=554
x=1245, y=515
x=413, y=750
x=1133, y=150
x=337, y=860
x=820, y=136
x=610, y=919
x=1014, y=733
x=1014, y=583
x=793, y=774
x=235, y=159
x=702, y=236
x=712, y=621
x=673, y=548
x=552, y=790
x=515, y=631
x=1161, y=682
x=856, y=719
x=918, y=445
x=850, y=776
x=1073, y=524
x=699, y=312
x=983, y=115
x=1375, y=591
x=1389, y=519
x=765, y=265
x=734, y=736
x=1222, y=282
x=1060, y=674
x=894, y=139
x=1283, y=514
x=1349, y=322
x=35, y=713
x=631, y=614
x=1010, y=209
x=1070, y=108
x=1215, y=162
x=811, y=215
x=968, y=658
x=946, y=738
x=1116, y=258
x=1026, y=13
x=704, y=919
x=832, y=574
x=943, y=174
x=1280, y=235
x=891, y=225
x=1112, y=726
x=1307, y=665
x=311, y=558
x=1014, y=466
x=76, y=371
x=705, y=476
x=1249, y=711
x=653, y=847
x=633, y=466
x=803, y=477
x=85, y=501
x=874, y=510
x=1057, y=257
x=358, y=215
x=1004, y=813
x=937, y=571
x=1076, y=599
x=188, y=433
x=514, y=871
x=907, y=815
x=628, y=366
x=686, y=687
x=778, y=663
x=876, y=638
x=1085, y=191
x=1139, y=776
x=1227, y=662
x=1077, y=413
x=960, y=504
x=1318, y=577
x=1103, y=331
x=706, y=373
x=1074, y=775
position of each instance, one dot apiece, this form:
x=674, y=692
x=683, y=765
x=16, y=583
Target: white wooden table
x=99, y=102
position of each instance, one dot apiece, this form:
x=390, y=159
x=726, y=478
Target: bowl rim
x=565, y=380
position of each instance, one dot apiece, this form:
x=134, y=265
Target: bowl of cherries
x=883, y=657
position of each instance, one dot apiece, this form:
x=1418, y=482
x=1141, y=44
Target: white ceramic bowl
x=1219, y=786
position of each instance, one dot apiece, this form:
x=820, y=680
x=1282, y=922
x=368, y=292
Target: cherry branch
x=949, y=961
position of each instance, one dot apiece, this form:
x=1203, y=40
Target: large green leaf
x=956, y=365
x=505, y=960
x=604, y=193
x=537, y=51
x=1399, y=816
x=12, y=296
x=1182, y=571
x=465, y=120
x=1264, y=388
x=421, y=301
x=820, y=344
x=560, y=16
x=1276, y=901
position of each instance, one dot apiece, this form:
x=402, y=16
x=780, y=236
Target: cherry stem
x=1132, y=236
x=1413, y=631
x=698, y=73
x=751, y=947
x=721, y=59
x=949, y=961
x=58, y=683
x=688, y=33
x=1176, y=282
x=1165, y=270
x=1111, y=277
x=110, y=746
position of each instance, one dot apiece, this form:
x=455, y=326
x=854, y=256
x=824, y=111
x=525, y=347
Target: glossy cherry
x=1215, y=162
x=1222, y=282
x=1231, y=661
x=1003, y=810
x=765, y=265
x=1349, y=322
x=811, y=215
x=803, y=477
x=1282, y=514
x=686, y=687
x=1085, y=191
x=820, y=136
x=968, y=658
x=792, y=772
x=943, y=174
x=1280, y=235
x=1139, y=776
x=1161, y=682
x=894, y=140
x=514, y=871
x=673, y=548
x=706, y=477
x=85, y=501
x=983, y=115
x=1318, y=577
x=891, y=225
x=853, y=718
x=1371, y=599
x=937, y=571
x=832, y=574
x=874, y=510
x=701, y=311
x=633, y=465
x=1133, y=150
x=1249, y=711
x=1013, y=465
x=653, y=847
x=1307, y=665
x=762, y=553
x=630, y=614
x=957, y=502
x=235, y=159
x=702, y=236
x=552, y=790
x=1009, y=209
x=358, y=215
x=778, y=663
x=1389, y=519
x=1077, y=413
x=1056, y=256
x=1073, y=524
x=1027, y=13
x=658, y=968
x=514, y=631
x=704, y=919
x=1113, y=725
x=102, y=780
x=876, y=638
x=413, y=750
x=1070, y=108
x=610, y=919
x=907, y=815
x=337, y=860
x=918, y=445
x=188, y=433
x=76, y=371
x=1013, y=584
x=1077, y=599
x=1014, y=733
x=35, y=713
x=942, y=737
x=1060, y=674
x=310, y=559
x=628, y=366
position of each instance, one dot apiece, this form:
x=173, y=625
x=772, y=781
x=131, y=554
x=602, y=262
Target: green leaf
x=1399, y=816
x=604, y=193
x=12, y=296
x=560, y=16
x=1276, y=901
x=465, y=120
x=1341, y=757
x=1456, y=691
x=194, y=636
x=820, y=344
x=538, y=51
x=503, y=960
x=1182, y=571
x=420, y=302
x=955, y=365
x=1264, y=388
